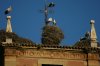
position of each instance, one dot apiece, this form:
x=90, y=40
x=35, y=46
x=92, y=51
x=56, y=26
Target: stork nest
x=52, y=35
x=15, y=38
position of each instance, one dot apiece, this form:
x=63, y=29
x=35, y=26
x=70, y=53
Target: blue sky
x=72, y=16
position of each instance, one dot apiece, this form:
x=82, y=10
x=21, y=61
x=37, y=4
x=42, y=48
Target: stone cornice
x=46, y=47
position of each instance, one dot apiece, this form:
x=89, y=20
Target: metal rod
x=46, y=12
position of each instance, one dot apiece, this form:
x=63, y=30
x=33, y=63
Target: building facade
x=22, y=52
x=34, y=55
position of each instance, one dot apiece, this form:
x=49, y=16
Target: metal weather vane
x=47, y=6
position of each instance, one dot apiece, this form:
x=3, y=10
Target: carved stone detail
x=48, y=54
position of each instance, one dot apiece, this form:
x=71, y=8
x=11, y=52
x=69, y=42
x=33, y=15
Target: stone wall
x=38, y=57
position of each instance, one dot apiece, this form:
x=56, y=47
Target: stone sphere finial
x=92, y=22
x=8, y=17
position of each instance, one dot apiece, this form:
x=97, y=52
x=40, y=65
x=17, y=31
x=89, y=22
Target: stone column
x=93, y=36
x=8, y=28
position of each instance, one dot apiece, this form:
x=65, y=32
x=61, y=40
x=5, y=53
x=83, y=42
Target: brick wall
x=26, y=62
